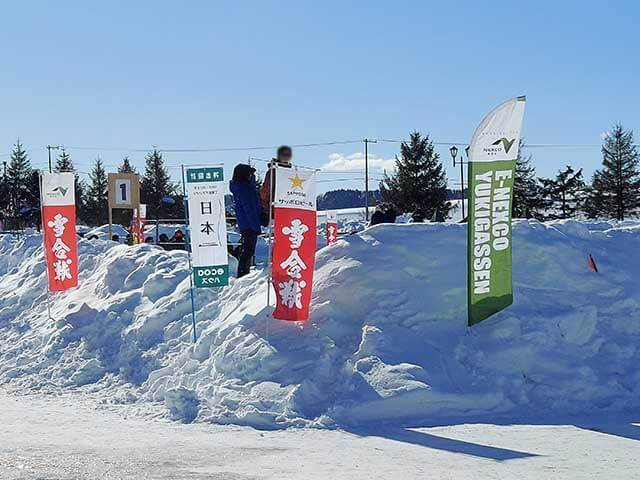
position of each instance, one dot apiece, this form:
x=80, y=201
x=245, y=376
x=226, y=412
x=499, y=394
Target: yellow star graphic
x=296, y=182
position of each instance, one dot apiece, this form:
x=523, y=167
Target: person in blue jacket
x=248, y=213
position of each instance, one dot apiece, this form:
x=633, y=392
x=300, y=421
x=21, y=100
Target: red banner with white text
x=331, y=228
x=137, y=224
x=59, y=229
x=294, y=247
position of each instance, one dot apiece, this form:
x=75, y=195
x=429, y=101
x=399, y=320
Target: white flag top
x=498, y=136
x=295, y=188
x=58, y=189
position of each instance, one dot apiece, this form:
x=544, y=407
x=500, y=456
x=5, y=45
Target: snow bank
x=387, y=340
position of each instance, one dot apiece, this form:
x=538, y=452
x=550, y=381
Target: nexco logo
x=208, y=272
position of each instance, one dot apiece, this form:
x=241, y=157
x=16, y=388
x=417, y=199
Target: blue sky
x=199, y=74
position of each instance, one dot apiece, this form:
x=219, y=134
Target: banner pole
x=272, y=171
x=188, y=246
x=110, y=230
x=49, y=303
x=44, y=251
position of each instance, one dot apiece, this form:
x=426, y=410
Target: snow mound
x=387, y=340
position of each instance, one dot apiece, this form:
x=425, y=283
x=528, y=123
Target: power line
x=526, y=145
x=586, y=145
x=212, y=149
x=296, y=145
x=346, y=179
x=388, y=140
x=341, y=172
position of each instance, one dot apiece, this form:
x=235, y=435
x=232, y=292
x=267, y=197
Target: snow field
x=387, y=341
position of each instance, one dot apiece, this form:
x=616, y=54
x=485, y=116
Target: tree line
x=614, y=191
x=20, y=189
x=419, y=183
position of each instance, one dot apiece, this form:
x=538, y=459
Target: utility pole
x=49, y=148
x=366, y=141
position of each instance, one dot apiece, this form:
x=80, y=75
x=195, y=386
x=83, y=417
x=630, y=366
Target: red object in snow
x=592, y=264
x=331, y=228
x=57, y=195
x=294, y=242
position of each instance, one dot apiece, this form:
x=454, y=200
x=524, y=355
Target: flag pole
x=44, y=251
x=188, y=246
x=272, y=173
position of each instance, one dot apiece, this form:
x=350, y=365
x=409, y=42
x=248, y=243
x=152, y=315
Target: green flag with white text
x=492, y=159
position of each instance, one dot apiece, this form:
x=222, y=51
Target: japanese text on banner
x=295, y=226
x=59, y=230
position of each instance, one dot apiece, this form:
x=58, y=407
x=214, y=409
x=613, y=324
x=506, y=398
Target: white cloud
x=355, y=163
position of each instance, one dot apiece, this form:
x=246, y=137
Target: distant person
x=115, y=237
x=163, y=238
x=178, y=236
x=248, y=213
x=384, y=213
x=284, y=154
x=438, y=216
x=419, y=216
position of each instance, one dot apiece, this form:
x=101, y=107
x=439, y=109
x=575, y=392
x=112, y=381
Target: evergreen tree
x=526, y=190
x=64, y=163
x=615, y=187
x=96, y=208
x=419, y=181
x=155, y=183
x=563, y=195
x=33, y=199
x=18, y=179
x=4, y=192
x=126, y=166
x=33, y=189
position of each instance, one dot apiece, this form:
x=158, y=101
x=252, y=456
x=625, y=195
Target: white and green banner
x=492, y=158
x=207, y=226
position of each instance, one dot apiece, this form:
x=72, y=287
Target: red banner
x=294, y=242
x=331, y=229
x=137, y=224
x=59, y=230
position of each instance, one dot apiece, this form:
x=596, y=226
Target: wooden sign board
x=124, y=190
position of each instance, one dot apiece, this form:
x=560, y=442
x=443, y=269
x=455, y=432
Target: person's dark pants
x=247, y=251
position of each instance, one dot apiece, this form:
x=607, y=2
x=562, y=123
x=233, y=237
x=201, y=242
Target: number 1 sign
x=123, y=192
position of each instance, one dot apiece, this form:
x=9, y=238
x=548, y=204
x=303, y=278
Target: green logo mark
x=506, y=144
x=213, y=276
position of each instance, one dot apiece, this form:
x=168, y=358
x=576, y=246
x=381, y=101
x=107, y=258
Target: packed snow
x=102, y=233
x=387, y=341
x=52, y=438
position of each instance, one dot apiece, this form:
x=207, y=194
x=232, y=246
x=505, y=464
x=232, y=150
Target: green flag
x=492, y=159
